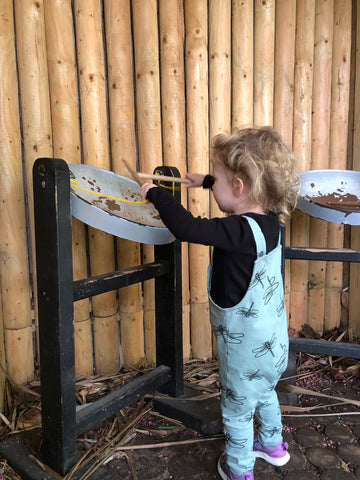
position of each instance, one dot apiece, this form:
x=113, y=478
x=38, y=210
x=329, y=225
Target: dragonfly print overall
x=252, y=352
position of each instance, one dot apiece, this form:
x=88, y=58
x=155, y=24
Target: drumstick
x=133, y=173
x=165, y=178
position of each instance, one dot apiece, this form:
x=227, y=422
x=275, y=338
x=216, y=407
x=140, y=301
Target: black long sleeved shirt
x=234, y=245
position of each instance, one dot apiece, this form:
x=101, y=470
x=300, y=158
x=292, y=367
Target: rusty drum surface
x=332, y=195
x=112, y=203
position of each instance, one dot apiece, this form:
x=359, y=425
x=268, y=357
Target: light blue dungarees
x=252, y=352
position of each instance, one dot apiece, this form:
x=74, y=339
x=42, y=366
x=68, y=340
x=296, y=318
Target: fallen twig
x=163, y=445
x=196, y=398
x=305, y=391
x=334, y=414
x=294, y=408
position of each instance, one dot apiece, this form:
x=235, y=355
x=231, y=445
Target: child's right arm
x=224, y=233
x=199, y=180
x=196, y=179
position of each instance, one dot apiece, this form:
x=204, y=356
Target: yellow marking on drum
x=168, y=188
x=172, y=188
x=74, y=183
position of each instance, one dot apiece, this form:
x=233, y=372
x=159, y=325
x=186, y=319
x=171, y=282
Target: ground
x=140, y=444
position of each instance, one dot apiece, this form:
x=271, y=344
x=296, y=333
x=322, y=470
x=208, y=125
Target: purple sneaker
x=276, y=456
x=226, y=474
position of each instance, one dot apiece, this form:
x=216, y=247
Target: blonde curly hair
x=261, y=159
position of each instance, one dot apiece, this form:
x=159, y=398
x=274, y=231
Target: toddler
x=254, y=183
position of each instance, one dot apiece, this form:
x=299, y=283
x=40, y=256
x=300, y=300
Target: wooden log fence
x=219, y=75
x=148, y=110
x=340, y=87
x=323, y=47
x=354, y=299
x=67, y=144
x=96, y=152
x=242, y=62
x=196, y=65
x=303, y=84
x=120, y=66
x=99, y=81
x=285, y=23
x=16, y=316
x=264, y=57
x=172, y=36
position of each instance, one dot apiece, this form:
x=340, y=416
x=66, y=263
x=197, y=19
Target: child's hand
x=196, y=180
x=145, y=188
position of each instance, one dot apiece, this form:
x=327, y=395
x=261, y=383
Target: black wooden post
x=168, y=314
x=168, y=306
x=55, y=306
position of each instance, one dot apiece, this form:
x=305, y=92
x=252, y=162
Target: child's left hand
x=145, y=188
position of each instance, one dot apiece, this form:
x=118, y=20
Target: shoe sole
x=277, y=462
x=221, y=472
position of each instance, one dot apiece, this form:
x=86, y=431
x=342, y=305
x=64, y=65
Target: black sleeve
x=208, y=181
x=224, y=233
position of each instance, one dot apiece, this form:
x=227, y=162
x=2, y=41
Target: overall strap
x=258, y=235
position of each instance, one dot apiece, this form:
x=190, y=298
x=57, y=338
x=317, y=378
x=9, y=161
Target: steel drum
x=112, y=203
x=332, y=195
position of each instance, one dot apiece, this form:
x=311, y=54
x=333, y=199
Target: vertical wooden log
x=173, y=82
x=338, y=148
x=131, y=311
x=264, y=45
x=15, y=315
x=354, y=300
x=320, y=150
x=145, y=24
x=285, y=22
x=219, y=80
x=242, y=63
x=37, y=142
x=122, y=137
x=90, y=53
x=196, y=58
x=219, y=74
x=173, y=121
x=67, y=145
x=305, y=21
x=145, y=27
